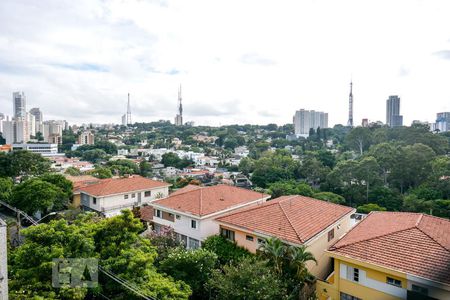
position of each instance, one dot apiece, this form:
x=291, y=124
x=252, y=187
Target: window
x=133, y=195
x=393, y=281
x=178, y=217
x=261, y=241
x=249, y=238
x=345, y=296
x=228, y=234
x=419, y=289
x=125, y=196
x=170, y=215
x=352, y=274
x=147, y=193
x=193, y=243
x=94, y=200
x=157, y=213
x=194, y=224
x=331, y=234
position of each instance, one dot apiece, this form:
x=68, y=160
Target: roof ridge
x=445, y=248
x=245, y=209
x=290, y=223
x=419, y=220
x=368, y=239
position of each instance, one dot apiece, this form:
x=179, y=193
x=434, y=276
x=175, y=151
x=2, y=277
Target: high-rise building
x=129, y=111
x=393, y=117
x=443, y=121
x=124, y=120
x=304, y=120
x=37, y=113
x=19, y=105
x=86, y=138
x=16, y=131
x=31, y=120
x=350, y=106
x=365, y=123
x=179, y=116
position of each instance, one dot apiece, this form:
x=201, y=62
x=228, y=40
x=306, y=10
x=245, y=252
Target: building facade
x=110, y=196
x=390, y=255
x=393, y=117
x=19, y=105
x=86, y=138
x=443, y=122
x=3, y=261
x=304, y=120
x=191, y=210
x=42, y=149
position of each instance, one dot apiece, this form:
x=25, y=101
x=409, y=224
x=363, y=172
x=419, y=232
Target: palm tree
x=298, y=257
x=275, y=251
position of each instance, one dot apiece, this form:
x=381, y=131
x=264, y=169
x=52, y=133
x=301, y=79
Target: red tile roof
x=416, y=244
x=291, y=218
x=82, y=181
x=114, y=186
x=201, y=201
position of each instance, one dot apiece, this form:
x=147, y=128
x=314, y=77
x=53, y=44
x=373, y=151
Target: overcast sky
x=238, y=61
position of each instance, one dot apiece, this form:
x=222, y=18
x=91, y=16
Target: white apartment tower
x=304, y=120
x=19, y=105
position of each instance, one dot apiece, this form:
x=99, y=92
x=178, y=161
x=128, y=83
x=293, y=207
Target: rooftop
x=114, y=186
x=294, y=219
x=201, y=201
x=413, y=243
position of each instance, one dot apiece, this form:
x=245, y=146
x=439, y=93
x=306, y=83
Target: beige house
x=296, y=220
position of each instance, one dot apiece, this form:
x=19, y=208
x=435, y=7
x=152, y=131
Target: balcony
x=325, y=289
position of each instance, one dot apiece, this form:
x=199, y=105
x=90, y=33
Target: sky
x=239, y=62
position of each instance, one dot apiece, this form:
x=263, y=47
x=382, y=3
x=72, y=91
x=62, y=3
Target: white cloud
x=238, y=61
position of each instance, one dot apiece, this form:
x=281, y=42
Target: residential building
x=3, y=261
x=191, y=210
x=37, y=113
x=390, y=255
x=393, y=117
x=16, y=131
x=86, y=138
x=365, y=123
x=110, y=196
x=78, y=182
x=304, y=120
x=19, y=105
x=443, y=121
x=295, y=220
x=42, y=149
x=31, y=122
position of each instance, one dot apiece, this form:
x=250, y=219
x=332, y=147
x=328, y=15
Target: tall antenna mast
x=350, y=106
x=128, y=111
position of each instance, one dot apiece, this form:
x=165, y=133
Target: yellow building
x=295, y=220
x=390, y=255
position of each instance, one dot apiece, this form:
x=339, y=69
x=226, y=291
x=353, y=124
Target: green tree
x=274, y=167
x=94, y=155
x=6, y=186
x=368, y=207
x=65, y=186
x=251, y=279
x=193, y=267
x=72, y=171
x=330, y=197
x=35, y=195
x=23, y=163
x=227, y=252
x=359, y=139
x=101, y=173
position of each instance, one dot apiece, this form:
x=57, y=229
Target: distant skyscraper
x=37, y=113
x=124, y=120
x=393, y=117
x=304, y=120
x=19, y=105
x=350, y=106
x=129, y=111
x=365, y=123
x=443, y=121
x=179, y=116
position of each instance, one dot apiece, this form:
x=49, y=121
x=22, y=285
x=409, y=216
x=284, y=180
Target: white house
x=110, y=196
x=191, y=210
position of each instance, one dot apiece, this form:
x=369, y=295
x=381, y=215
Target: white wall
x=3, y=262
x=435, y=290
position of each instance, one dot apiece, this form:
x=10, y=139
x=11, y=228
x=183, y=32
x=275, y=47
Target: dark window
x=345, y=296
x=178, y=217
x=157, y=213
x=133, y=195
x=229, y=234
x=94, y=200
x=193, y=224
x=419, y=289
x=249, y=238
x=393, y=281
x=356, y=274
x=261, y=241
x=147, y=193
x=125, y=196
x=331, y=234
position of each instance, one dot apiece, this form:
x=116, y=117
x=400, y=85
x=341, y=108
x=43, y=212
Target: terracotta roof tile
x=292, y=218
x=413, y=243
x=114, y=186
x=203, y=201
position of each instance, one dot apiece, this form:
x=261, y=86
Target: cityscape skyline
x=95, y=52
